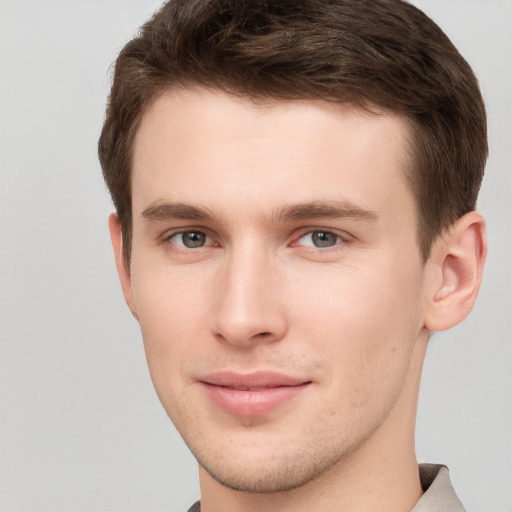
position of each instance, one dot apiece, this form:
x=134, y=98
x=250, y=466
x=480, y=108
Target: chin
x=273, y=474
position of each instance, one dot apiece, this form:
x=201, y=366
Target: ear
x=457, y=262
x=116, y=236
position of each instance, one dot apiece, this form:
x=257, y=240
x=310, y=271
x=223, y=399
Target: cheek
x=353, y=302
x=171, y=319
x=364, y=324
x=167, y=301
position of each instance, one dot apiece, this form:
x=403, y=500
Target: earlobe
x=457, y=262
x=122, y=269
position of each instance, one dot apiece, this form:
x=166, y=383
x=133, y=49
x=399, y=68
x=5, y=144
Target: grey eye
x=190, y=239
x=324, y=239
x=319, y=238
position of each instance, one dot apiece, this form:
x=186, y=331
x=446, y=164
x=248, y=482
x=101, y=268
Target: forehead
x=197, y=145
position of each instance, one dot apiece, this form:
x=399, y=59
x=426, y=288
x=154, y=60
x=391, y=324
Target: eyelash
x=341, y=239
x=169, y=239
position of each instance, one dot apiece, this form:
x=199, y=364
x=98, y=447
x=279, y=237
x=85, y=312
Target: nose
x=248, y=301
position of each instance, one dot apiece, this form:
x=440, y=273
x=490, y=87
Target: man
x=295, y=185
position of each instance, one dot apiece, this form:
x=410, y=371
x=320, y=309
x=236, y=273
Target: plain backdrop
x=81, y=428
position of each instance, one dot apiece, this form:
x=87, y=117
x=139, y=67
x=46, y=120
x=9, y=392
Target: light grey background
x=81, y=428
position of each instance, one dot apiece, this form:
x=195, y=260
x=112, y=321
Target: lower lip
x=252, y=403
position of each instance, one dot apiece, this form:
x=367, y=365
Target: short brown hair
x=383, y=53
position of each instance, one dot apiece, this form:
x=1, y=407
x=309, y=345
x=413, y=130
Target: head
x=379, y=55
x=294, y=185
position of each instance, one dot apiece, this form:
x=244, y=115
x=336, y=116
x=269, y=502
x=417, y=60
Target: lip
x=253, y=394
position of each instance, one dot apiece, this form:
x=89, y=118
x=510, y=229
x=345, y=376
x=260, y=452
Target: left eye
x=319, y=239
x=190, y=239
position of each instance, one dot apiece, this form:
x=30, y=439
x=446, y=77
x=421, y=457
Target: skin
x=255, y=293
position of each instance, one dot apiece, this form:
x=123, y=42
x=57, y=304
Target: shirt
x=439, y=495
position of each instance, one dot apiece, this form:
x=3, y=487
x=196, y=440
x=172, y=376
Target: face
x=277, y=280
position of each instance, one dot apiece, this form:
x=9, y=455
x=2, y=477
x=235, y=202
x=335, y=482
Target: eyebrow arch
x=176, y=211
x=324, y=209
x=161, y=211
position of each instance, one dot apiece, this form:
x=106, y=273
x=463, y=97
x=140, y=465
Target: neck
x=382, y=474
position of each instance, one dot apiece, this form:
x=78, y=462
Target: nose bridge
x=248, y=303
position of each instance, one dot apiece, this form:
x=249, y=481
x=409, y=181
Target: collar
x=439, y=495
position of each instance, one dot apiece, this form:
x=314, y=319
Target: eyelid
x=343, y=236
x=167, y=236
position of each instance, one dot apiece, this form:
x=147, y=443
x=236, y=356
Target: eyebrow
x=325, y=210
x=176, y=211
x=162, y=211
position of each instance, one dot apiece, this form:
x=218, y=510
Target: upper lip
x=259, y=380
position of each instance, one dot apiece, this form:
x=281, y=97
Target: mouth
x=252, y=395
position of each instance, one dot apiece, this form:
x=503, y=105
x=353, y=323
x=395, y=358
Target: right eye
x=190, y=239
